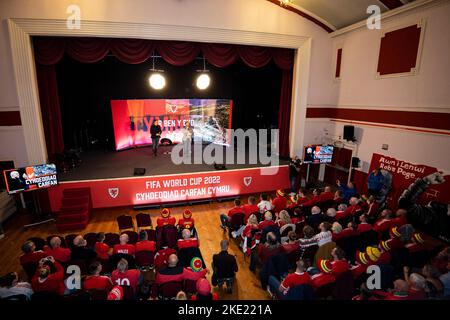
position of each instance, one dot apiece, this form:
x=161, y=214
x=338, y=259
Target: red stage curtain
x=132, y=51
x=48, y=51
x=50, y=110
x=219, y=55
x=284, y=114
x=178, y=53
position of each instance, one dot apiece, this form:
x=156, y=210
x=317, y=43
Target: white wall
x=251, y=15
x=428, y=91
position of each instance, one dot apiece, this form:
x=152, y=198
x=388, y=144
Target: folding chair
x=111, y=239
x=169, y=290
x=125, y=222
x=91, y=239
x=145, y=259
x=143, y=221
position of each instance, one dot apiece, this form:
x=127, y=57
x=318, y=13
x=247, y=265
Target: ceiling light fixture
x=156, y=80
x=203, y=80
x=285, y=2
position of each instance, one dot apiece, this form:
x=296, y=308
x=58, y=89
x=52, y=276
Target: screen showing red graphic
x=132, y=119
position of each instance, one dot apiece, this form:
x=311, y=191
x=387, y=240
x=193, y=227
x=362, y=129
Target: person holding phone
x=155, y=132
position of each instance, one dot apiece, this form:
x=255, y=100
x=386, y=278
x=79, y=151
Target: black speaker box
x=349, y=133
x=355, y=162
x=139, y=171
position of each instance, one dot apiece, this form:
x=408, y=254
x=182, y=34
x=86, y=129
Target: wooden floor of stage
x=206, y=217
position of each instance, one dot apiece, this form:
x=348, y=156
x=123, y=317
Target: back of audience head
x=55, y=242
x=28, y=247
x=336, y=227
x=331, y=212
x=172, y=261
x=353, y=201
x=252, y=220
x=338, y=254
x=94, y=268
x=124, y=238
x=315, y=210
x=264, y=197
x=252, y=200
x=268, y=215
x=342, y=207
x=143, y=235
x=301, y=265
x=181, y=296
x=79, y=241
x=237, y=202
x=417, y=281
x=284, y=216
x=101, y=237
x=9, y=280
x=325, y=226
x=224, y=245
x=271, y=239
x=292, y=236
x=185, y=234
x=122, y=265
x=308, y=232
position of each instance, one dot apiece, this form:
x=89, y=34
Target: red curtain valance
x=49, y=50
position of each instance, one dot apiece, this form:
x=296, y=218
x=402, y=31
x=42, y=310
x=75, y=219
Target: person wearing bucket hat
x=204, y=291
x=165, y=218
x=116, y=293
x=280, y=201
x=186, y=241
x=417, y=243
x=325, y=276
x=195, y=270
x=363, y=261
x=187, y=222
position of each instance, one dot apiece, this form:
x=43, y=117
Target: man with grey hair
x=124, y=247
x=315, y=218
x=81, y=252
x=55, y=250
x=225, y=267
x=417, y=285
x=30, y=254
x=267, y=222
x=186, y=241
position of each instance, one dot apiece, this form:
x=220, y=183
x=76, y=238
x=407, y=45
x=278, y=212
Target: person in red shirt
x=102, y=249
x=30, y=254
x=350, y=231
x=384, y=223
x=116, y=293
x=280, y=201
x=400, y=291
x=162, y=257
x=364, y=226
x=363, y=261
x=124, y=247
x=298, y=199
x=283, y=219
x=326, y=195
x=204, y=291
x=226, y=218
x=297, y=278
x=417, y=243
x=187, y=222
x=338, y=197
x=292, y=243
x=122, y=276
x=186, y=241
x=339, y=265
x=46, y=281
x=325, y=276
x=144, y=244
x=250, y=208
x=165, y=218
x=314, y=199
x=353, y=209
x=95, y=281
x=400, y=218
x=372, y=208
x=267, y=222
x=56, y=251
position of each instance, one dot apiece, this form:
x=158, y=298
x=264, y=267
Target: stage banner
x=178, y=187
x=404, y=173
x=132, y=119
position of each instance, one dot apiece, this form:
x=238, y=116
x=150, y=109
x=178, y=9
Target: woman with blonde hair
x=283, y=218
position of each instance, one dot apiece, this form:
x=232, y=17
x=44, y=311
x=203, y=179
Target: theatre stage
x=109, y=175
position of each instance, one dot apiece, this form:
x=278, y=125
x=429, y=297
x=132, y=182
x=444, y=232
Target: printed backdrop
x=132, y=119
x=405, y=173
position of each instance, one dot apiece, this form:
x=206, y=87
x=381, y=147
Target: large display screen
x=132, y=119
x=30, y=178
x=318, y=154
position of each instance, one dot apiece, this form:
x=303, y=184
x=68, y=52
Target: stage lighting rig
x=156, y=80
x=203, y=79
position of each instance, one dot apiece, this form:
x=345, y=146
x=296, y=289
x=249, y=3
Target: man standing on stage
x=155, y=131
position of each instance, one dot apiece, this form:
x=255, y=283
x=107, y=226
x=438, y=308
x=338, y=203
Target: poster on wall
x=132, y=119
x=404, y=173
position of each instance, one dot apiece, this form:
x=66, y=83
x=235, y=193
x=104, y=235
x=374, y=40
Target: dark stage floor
x=121, y=164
